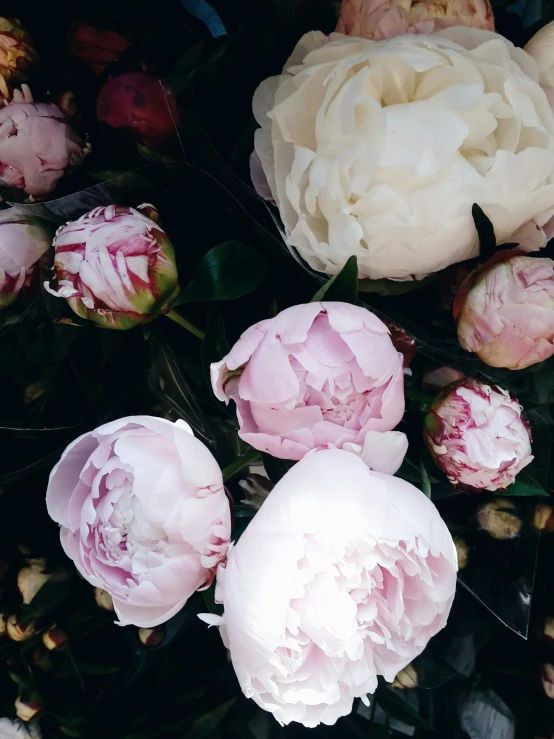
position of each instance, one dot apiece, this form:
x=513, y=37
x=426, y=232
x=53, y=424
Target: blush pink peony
x=343, y=575
x=143, y=514
x=314, y=375
x=477, y=436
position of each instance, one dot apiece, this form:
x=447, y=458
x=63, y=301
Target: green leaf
x=228, y=271
x=409, y=471
x=343, y=286
x=485, y=229
x=208, y=723
x=425, y=482
x=524, y=485
x=394, y=287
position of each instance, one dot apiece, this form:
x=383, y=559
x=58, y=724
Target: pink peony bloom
x=23, y=241
x=477, y=436
x=142, y=104
x=317, y=374
x=143, y=514
x=115, y=266
x=37, y=145
x=382, y=19
x=343, y=575
x=507, y=316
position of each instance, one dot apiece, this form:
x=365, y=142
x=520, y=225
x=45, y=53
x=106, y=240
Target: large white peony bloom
x=379, y=149
x=344, y=574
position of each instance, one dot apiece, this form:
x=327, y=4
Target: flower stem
x=185, y=323
x=239, y=464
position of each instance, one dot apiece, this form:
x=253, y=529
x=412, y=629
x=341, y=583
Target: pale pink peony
x=382, y=19
x=477, y=436
x=116, y=266
x=507, y=316
x=37, y=145
x=317, y=374
x=23, y=241
x=344, y=574
x=143, y=514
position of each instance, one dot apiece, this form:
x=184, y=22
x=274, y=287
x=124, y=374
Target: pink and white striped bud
x=115, y=267
x=507, y=315
x=37, y=145
x=477, y=436
x=23, y=241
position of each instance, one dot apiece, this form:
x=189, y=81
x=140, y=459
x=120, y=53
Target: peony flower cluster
x=477, y=436
x=317, y=374
x=143, y=514
x=382, y=19
x=343, y=575
x=37, y=145
x=115, y=266
x=23, y=241
x=507, y=314
x=379, y=149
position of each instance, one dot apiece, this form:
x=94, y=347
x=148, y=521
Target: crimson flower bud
x=28, y=708
x=151, y=637
x=95, y=47
x=17, y=631
x=499, y=518
x=143, y=105
x=402, y=342
x=54, y=638
x=476, y=434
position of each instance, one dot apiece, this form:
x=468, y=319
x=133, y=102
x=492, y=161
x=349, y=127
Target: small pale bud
x=406, y=678
x=54, y=638
x=3, y=624
x=17, y=631
x=462, y=550
x=30, y=579
x=28, y=708
x=542, y=517
x=151, y=637
x=497, y=518
x=103, y=599
x=547, y=679
x=548, y=628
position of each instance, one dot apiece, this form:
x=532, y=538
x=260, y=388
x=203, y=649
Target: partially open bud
x=256, y=489
x=17, y=631
x=115, y=267
x=30, y=579
x=462, y=551
x=54, y=638
x=547, y=679
x=542, y=517
x=103, y=599
x=507, y=316
x=499, y=518
x=28, y=708
x=477, y=436
x=406, y=678
x=152, y=637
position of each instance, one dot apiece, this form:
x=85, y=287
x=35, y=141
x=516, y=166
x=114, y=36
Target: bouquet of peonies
x=315, y=413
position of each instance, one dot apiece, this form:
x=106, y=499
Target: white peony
x=379, y=149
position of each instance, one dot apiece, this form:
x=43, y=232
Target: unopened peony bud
x=17, y=631
x=547, y=679
x=477, y=436
x=151, y=637
x=402, y=342
x=541, y=48
x=383, y=19
x=115, y=267
x=462, y=551
x=95, y=47
x=548, y=628
x=3, y=624
x=143, y=105
x=256, y=489
x=103, y=599
x=42, y=660
x=28, y=708
x=499, y=518
x=54, y=638
x=23, y=241
x=542, y=517
x=435, y=380
x=18, y=57
x=507, y=316
x=30, y=579
x=406, y=678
